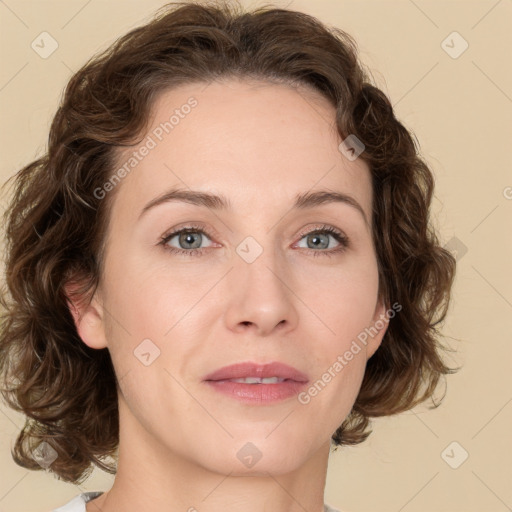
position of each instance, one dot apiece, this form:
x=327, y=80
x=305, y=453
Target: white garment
x=77, y=504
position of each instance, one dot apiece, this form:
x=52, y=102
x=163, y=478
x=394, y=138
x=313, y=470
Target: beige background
x=461, y=111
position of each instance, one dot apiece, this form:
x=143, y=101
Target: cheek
x=340, y=363
x=147, y=299
x=343, y=299
x=155, y=317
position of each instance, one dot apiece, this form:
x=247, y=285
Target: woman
x=222, y=267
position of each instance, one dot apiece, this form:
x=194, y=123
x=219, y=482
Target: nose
x=260, y=296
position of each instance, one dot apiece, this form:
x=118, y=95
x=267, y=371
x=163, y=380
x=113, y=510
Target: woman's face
x=248, y=283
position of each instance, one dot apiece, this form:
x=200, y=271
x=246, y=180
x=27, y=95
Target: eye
x=189, y=240
x=320, y=238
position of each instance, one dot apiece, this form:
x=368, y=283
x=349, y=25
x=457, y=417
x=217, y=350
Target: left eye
x=320, y=239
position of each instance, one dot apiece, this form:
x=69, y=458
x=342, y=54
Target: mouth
x=257, y=383
x=257, y=380
x=253, y=373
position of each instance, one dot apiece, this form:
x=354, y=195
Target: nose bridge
x=259, y=289
x=260, y=266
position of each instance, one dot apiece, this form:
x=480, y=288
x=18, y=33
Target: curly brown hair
x=55, y=223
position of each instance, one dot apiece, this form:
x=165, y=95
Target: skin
x=258, y=144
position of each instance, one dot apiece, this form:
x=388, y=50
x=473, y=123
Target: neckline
x=90, y=495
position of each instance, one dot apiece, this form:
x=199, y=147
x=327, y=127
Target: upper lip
x=250, y=369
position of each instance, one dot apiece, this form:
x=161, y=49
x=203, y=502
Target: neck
x=154, y=478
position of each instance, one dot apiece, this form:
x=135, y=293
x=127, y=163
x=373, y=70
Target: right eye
x=189, y=240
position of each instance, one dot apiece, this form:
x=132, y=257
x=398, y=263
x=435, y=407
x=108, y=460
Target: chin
x=256, y=455
x=274, y=465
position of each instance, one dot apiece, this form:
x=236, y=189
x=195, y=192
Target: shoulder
x=77, y=504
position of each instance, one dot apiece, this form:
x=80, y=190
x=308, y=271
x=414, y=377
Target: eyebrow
x=219, y=202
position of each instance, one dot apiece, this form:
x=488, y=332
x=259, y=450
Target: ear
x=378, y=328
x=87, y=315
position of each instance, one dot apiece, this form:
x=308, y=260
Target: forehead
x=257, y=143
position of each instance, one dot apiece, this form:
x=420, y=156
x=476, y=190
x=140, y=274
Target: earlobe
x=380, y=326
x=88, y=317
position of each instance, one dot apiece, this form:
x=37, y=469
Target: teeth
x=257, y=380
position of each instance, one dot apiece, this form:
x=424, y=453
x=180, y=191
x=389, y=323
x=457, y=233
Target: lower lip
x=258, y=393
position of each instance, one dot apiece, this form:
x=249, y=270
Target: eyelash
x=338, y=236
